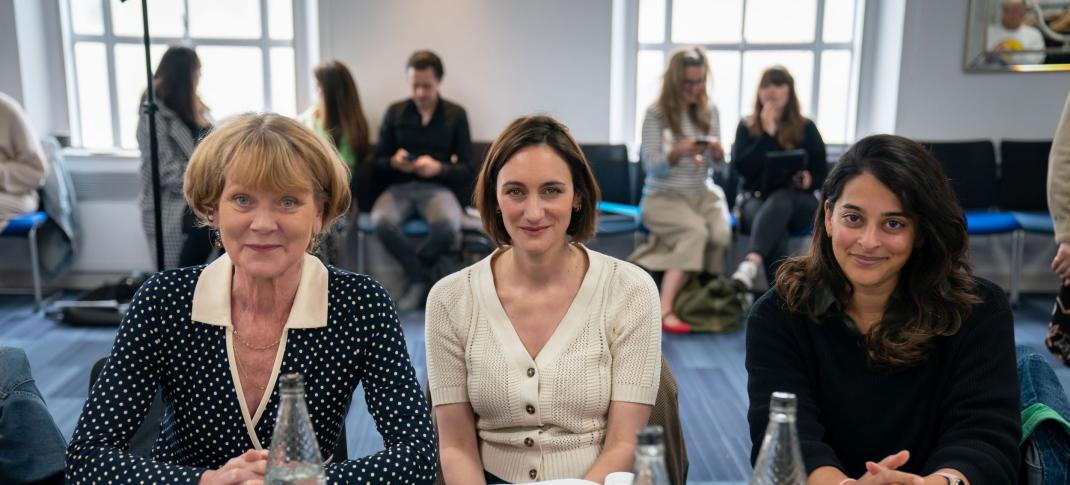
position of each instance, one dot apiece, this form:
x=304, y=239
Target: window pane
x=87, y=17
x=706, y=21
x=130, y=85
x=780, y=21
x=799, y=63
x=281, y=19
x=224, y=19
x=165, y=18
x=649, y=67
x=232, y=80
x=283, y=81
x=651, y=21
x=724, y=90
x=834, y=94
x=94, y=101
x=839, y=20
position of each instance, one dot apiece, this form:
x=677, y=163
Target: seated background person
x=216, y=337
x=426, y=150
x=902, y=361
x=772, y=208
x=543, y=359
x=23, y=166
x=688, y=220
x=31, y=446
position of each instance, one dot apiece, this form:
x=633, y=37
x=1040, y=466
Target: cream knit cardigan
x=544, y=418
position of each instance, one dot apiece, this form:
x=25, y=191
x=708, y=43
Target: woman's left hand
x=716, y=151
x=803, y=179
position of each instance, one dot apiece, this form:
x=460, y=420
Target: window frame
x=110, y=40
x=667, y=46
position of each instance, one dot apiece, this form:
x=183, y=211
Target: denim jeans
x=1045, y=451
x=31, y=447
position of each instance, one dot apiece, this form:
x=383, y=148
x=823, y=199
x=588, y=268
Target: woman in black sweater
x=902, y=361
x=776, y=202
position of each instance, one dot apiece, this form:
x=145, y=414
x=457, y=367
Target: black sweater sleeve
x=981, y=424
x=460, y=174
x=748, y=155
x=777, y=361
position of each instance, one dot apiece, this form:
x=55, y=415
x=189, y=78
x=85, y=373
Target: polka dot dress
x=158, y=346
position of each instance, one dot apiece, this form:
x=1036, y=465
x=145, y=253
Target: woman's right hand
x=685, y=148
x=247, y=469
x=769, y=117
x=885, y=472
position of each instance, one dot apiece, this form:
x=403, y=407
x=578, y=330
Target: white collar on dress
x=211, y=298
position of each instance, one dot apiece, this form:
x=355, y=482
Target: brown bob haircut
x=266, y=151
x=936, y=288
x=527, y=132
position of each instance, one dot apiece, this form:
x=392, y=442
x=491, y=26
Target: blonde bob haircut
x=266, y=151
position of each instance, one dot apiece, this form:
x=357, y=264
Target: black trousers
x=771, y=220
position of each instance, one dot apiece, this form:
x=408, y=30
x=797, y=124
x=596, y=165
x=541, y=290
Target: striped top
x=657, y=141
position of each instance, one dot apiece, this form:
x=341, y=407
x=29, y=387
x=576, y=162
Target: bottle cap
x=782, y=402
x=650, y=435
x=292, y=383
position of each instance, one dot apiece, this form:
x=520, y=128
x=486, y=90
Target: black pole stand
x=150, y=109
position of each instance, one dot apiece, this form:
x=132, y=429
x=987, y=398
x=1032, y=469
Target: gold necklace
x=243, y=372
x=247, y=344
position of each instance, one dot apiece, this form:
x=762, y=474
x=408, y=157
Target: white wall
x=10, y=75
x=503, y=58
x=940, y=101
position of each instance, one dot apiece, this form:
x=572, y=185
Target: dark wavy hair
x=936, y=287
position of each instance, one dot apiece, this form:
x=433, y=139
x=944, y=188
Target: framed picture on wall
x=1018, y=36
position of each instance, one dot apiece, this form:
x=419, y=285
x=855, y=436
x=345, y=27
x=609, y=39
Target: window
x=246, y=49
x=814, y=39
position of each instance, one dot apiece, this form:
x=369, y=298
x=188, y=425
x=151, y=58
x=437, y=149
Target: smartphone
x=410, y=157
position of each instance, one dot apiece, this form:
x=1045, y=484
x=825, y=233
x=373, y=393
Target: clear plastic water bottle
x=780, y=459
x=294, y=457
x=650, y=458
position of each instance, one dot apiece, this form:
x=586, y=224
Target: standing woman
x=686, y=214
x=902, y=361
x=339, y=117
x=773, y=206
x=543, y=359
x=182, y=120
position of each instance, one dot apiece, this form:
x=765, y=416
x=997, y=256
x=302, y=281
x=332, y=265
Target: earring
x=315, y=245
x=217, y=239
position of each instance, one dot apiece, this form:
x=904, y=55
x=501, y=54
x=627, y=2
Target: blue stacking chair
x=971, y=168
x=26, y=226
x=1023, y=191
x=619, y=212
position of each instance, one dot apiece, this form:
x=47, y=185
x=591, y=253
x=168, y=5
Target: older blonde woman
x=216, y=337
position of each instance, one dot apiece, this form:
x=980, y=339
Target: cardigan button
x=529, y=442
x=532, y=474
x=531, y=372
x=530, y=409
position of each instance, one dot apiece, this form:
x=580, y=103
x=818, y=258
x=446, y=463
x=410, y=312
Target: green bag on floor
x=710, y=304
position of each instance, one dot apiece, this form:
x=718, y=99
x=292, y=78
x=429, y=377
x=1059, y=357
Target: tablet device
x=780, y=167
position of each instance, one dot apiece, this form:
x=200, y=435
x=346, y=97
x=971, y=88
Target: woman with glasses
x=686, y=215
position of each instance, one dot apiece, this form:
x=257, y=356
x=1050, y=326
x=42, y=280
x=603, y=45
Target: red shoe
x=678, y=328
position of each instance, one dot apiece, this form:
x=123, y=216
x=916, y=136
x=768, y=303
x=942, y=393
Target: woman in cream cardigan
x=543, y=359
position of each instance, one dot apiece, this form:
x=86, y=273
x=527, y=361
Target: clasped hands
x=247, y=469
x=885, y=472
x=424, y=166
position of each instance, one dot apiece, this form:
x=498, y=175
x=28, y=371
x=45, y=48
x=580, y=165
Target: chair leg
x=1017, y=255
x=35, y=263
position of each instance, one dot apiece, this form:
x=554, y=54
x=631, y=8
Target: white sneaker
x=746, y=274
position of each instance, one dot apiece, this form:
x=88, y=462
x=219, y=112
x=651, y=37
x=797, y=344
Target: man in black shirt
x=425, y=152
